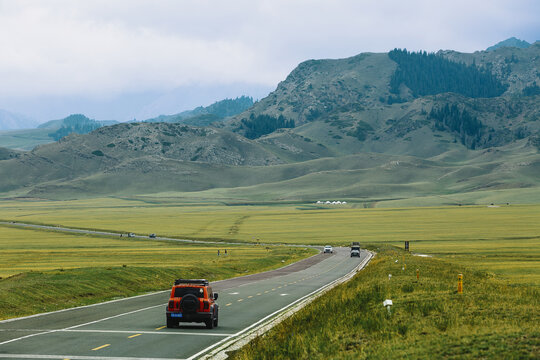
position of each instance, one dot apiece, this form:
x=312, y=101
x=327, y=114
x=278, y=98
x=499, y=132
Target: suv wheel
x=209, y=324
x=216, y=319
x=189, y=304
x=170, y=322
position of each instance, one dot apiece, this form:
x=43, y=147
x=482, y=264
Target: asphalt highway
x=134, y=328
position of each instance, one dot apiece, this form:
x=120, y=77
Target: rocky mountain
x=511, y=42
x=362, y=104
x=373, y=126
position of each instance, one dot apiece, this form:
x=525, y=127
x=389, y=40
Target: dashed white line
x=148, y=332
x=74, y=357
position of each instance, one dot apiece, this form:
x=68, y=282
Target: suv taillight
x=206, y=305
x=171, y=304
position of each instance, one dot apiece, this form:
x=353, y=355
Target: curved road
x=134, y=328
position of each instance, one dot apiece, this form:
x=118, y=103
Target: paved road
x=132, y=235
x=134, y=328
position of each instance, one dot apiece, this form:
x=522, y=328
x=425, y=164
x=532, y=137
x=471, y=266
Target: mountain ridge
x=510, y=42
x=338, y=112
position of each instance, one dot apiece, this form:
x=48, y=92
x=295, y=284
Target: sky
x=124, y=59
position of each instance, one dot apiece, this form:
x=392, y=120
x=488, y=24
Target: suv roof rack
x=203, y=282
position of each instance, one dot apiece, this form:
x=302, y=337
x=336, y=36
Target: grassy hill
x=54, y=130
x=48, y=132
x=355, y=104
x=205, y=115
x=371, y=128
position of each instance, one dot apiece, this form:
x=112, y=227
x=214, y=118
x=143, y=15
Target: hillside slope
x=369, y=127
x=349, y=106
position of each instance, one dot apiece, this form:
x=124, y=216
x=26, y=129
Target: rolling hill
x=371, y=128
x=206, y=115
x=54, y=130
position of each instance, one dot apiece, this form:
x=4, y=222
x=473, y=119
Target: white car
x=328, y=250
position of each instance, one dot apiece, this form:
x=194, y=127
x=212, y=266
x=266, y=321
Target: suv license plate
x=176, y=315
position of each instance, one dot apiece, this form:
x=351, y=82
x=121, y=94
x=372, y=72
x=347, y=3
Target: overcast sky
x=98, y=51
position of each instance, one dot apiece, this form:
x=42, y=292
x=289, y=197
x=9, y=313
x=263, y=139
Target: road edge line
x=237, y=341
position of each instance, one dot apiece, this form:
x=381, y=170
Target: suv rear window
x=182, y=291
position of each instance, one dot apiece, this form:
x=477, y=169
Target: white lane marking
x=147, y=332
x=112, y=317
x=26, y=330
x=26, y=337
x=76, y=326
x=234, y=293
x=283, y=294
x=111, y=301
x=75, y=357
x=271, y=315
x=82, y=307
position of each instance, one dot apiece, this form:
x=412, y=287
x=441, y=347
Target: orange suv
x=192, y=301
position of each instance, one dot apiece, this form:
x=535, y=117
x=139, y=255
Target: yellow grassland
x=504, y=240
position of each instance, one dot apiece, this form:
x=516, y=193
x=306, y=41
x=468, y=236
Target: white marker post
x=388, y=303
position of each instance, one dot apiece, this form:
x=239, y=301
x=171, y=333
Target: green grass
x=503, y=240
x=491, y=319
x=24, y=139
x=45, y=270
x=496, y=248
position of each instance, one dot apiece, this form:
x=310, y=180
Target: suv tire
x=189, y=304
x=170, y=322
x=216, y=319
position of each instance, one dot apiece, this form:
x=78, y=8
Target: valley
x=438, y=149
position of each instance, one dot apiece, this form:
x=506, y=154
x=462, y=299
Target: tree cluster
x=257, y=126
x=468, y=127
x=531, y=90
x=227, y=107
x=430, y=74
x=76, y=123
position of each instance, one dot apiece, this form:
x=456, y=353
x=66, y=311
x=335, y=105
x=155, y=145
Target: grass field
x=428, y=320
x=496, y=248
x=45, y=270
x=25, y=139
x=504, y=240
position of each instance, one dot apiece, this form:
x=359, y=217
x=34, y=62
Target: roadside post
x=460, y=283
x=417, y=274
x=406, y=246
x=388, y=304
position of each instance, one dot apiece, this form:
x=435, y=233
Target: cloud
x=57, y=52
x=102, y=48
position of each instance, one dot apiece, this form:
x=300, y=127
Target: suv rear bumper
x=193, y=317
